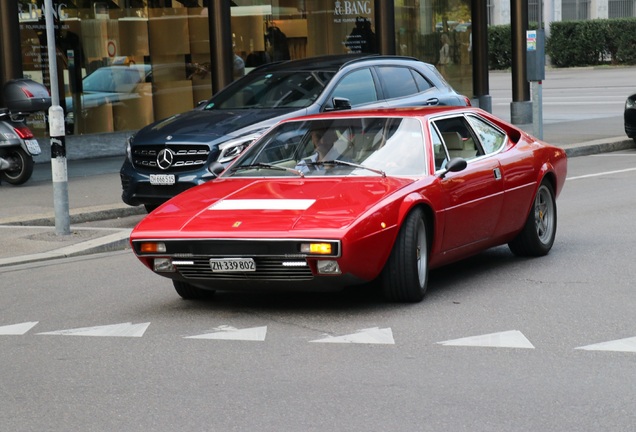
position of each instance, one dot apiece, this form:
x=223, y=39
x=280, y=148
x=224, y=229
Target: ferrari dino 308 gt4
x=335, y=199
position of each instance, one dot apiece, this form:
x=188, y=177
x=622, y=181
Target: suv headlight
x=129, y=149
x=229, y=150
x=631, y=102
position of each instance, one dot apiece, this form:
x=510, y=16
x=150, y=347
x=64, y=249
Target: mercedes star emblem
x=165, y=159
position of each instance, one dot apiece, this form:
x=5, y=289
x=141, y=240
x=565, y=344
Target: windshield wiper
x=266, y=166
x=345, y=163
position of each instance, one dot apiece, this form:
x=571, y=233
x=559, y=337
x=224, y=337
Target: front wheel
x=21, y=166
x=190, y=292
x=405, y=275
x=538, y=234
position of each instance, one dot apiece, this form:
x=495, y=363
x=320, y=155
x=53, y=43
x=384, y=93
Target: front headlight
x=631, y=102
x=229, y=150
x=129, y=149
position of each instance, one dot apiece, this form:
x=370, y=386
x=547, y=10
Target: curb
x=603, y=145
x=109, y=243
x=77, y=216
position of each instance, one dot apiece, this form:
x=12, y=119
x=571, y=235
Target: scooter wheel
x=21, y=166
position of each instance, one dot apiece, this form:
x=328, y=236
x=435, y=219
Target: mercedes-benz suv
x=176, y=153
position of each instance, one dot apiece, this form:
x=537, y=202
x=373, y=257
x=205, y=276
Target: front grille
x=267, y=269
x=186, y=156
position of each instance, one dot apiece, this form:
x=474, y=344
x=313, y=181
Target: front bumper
x=137, y=190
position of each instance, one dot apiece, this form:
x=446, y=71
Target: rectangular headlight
x=317, y=248
x=328, y=267
x=163, y=265
x=152, y=247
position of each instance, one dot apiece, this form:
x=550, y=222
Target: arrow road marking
x=621, y=345
x=507, y=339
x=17, y=329
x=226, y=332
x=373, y=335
x=114, y=330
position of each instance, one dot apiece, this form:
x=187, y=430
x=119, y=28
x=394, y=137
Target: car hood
x=210, y=125
x=265, y=207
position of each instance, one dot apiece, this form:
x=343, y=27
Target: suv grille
x=178, y=158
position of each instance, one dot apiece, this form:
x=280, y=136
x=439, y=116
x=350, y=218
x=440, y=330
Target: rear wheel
x=405, y=275
x=190, y=292
x=21, y=166
x=539, y=232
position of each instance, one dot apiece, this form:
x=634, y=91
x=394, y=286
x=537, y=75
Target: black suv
x=174, y=154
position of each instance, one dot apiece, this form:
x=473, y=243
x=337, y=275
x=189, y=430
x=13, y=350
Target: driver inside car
x=323, y=141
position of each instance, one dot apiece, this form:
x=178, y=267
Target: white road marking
x=507, y=339
x=114, y=330
x=17, y=329
x=373, y=335
x=226, y=332
x=621, y=345
x=601, y=174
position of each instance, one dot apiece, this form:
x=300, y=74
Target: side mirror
x=341, y=103
x=216, y=168
x=456, y=164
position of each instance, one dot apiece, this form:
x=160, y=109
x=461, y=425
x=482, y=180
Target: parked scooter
x=17, y=148
x=18, y=145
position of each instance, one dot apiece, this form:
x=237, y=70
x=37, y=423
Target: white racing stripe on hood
x=262, y=204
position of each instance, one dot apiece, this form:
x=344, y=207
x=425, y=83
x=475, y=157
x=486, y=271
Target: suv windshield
x=283, y=89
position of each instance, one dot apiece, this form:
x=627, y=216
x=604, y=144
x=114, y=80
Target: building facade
x=123, y=64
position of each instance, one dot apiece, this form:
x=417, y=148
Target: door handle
x=497, y=173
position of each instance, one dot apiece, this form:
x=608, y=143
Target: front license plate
x=33, y=146
x=227, y=265
x=162, y=179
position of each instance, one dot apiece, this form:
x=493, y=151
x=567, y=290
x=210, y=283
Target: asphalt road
x=99, y=343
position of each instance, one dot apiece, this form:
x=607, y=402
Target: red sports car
x=330, y=200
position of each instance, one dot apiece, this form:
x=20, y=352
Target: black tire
x=539, y=232
x=405, y=274
x=189, y=292
x=23, y=166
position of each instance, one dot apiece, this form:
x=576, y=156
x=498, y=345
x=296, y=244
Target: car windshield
x=364, y=146
x=282, y=89
x=116, y=79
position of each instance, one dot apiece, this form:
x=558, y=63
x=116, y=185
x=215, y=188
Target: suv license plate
x=227, y=265
x=162, y=179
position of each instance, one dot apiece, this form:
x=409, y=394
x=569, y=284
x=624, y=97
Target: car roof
x=329, y=62
x=419, y=111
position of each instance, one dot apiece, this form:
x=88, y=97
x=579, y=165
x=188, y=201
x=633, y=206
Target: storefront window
x=438, y=32
x=124, y=64
x=121, y=68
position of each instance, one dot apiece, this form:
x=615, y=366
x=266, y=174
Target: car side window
x=458, y=138
x=422, y=83
x=439, y=150
x=358, y=87
x=492, y=139
x=397, y=81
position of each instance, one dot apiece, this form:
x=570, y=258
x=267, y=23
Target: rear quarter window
x=397, y=81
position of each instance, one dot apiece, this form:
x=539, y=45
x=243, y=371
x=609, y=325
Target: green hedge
x=573, y=43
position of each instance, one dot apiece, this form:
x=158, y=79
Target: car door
x=474, y=196
x=359, y=87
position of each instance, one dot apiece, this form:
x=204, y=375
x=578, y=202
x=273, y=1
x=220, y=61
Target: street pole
x=56, y=132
